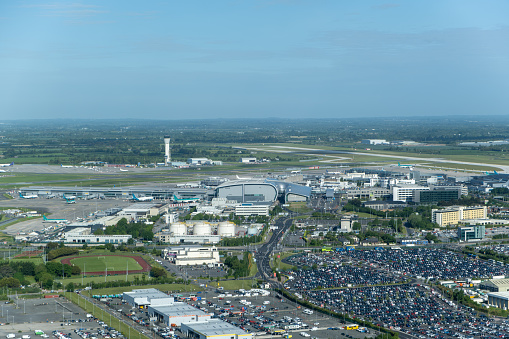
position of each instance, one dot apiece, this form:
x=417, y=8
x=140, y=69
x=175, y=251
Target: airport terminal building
x=262, y=191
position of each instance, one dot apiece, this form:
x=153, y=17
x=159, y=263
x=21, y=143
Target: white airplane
x=241, y=178
x=142, y=198
x=30, y=196
x=7, y=165
x=66, y=166
x=123, y=170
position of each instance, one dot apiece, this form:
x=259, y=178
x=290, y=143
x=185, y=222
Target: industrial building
x=214, y=328
x=143, y=298
x=178, y=313
x=495, y=285
x=455, y=214
x=192, y=255
x=81, y=235
x=499, y=300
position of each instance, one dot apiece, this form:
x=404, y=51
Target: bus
x=352, y=327
x=307, y=311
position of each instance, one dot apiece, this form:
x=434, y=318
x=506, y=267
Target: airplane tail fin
x=495, y=172
x=399, y=164
x=12, y=164
x=20, y=195
x=44, y=217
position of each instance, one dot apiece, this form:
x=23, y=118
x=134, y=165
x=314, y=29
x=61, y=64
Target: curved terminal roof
x=260, y=191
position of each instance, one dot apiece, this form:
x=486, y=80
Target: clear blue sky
x=252, y=58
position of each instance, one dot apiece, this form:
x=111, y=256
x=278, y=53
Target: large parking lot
x=49, y=315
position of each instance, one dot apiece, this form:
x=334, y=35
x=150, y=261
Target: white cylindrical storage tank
x=178, y=228
x=226, y=229
x=202, y=228
x=252, y=230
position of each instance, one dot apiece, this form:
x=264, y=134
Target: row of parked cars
x=430, y=263
x=336, y=274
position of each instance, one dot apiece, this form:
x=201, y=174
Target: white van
x=11, y=335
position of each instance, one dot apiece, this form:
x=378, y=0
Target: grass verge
x=102, y=315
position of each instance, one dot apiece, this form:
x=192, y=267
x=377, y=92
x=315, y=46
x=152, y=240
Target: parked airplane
x=123, y=170
x=7, y=165
x=69, y=201
x=66, y=166
x=30, y=196
x=494, y=173
x=44, y=219
x=177, y=199
x=406, y=166
x=241, y=178
x=142, y=198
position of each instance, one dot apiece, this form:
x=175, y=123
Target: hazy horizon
x=292, y=59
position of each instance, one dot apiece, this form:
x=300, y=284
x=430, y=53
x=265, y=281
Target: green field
x=235, y=284
x=98, y=279
x=100, y=263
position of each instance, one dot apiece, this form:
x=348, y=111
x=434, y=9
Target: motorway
x=262, y=256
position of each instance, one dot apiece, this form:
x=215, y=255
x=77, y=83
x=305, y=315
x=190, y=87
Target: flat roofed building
x=191, y=255
x=170, y=238
x=469, y=233
x=250, y=209
x=143, y=298
x=81, y=235
x=406, y=192
x=436, y=195
x=178, y=313
x=499, y=300
x=495, y=285
x=214, y=328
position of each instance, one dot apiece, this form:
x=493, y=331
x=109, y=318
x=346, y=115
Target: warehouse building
x=214, y=328
x=499, y=300
x=178, y=313
x=143, y=298
x=495, y=285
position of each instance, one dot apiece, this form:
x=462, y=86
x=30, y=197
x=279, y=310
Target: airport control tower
x=167, y=154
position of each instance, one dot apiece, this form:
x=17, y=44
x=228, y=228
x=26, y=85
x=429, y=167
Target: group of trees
x=137, y=230
x=239, y=268
x=12, y=274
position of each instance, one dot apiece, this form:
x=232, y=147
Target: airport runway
x=302, y=150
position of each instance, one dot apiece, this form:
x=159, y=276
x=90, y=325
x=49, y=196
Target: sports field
x=115, y=264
